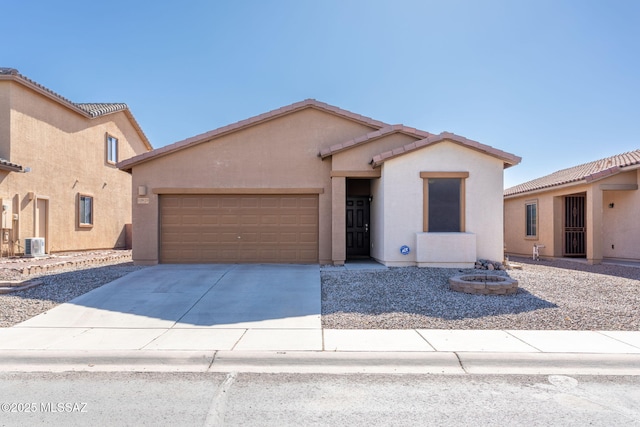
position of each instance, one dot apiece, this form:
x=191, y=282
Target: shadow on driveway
x=217, y=295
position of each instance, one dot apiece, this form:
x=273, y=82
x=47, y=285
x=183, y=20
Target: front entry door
x=574, y=226
x=358, y=226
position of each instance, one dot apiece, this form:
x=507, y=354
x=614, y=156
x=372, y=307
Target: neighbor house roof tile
x=508, y=158
x=10, y=166
x=587, y=172
x=97, y=110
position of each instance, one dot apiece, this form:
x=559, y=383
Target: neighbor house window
x=85, y=210
x=531, y=212
x=444, y=201
x=112, y=149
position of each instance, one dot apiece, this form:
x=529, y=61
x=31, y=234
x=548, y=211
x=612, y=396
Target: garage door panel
x=209, y=219
x=250, y=202
x=249, y=238
x=289, y=203
x=308, y=238
x=191, y=219
x=209, y=202
x=206, y=228
x=191, y=202
x=229, y=202
x=270, y=219
x=288, y=238
x=228, y=237
x=228, y=220
x=270, y=202
x=288, y=219
x=308, y=202
x=308, y=219
x=249, y=220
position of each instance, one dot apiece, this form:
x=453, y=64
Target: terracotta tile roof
x=587, y=172
x=10, y=166
x=507, y=158
x=387, y=130
x=97, y=110
x=8, y=71
x=207, y=136
x=89, y=110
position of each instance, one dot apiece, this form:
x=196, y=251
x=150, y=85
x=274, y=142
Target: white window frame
x=112, y=149
x=85, y=219
x=531, y=220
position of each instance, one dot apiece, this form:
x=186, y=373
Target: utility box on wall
x=7, y=213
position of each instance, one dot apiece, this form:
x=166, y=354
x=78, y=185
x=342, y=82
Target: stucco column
x=338, y=220
x=594, y=225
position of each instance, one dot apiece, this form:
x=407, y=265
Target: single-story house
x=588, y=211
x=60, y=189
x=313, y=183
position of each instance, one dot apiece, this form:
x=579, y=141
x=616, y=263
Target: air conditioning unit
x=34, y=246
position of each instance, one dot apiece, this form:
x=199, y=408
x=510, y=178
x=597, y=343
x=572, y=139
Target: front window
x=531, y=224
x=112, y=149
x=85, y=210
x=444, y=195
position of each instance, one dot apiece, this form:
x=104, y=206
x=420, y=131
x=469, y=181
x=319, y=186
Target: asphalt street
x=242, y=399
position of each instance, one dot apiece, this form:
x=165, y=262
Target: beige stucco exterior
x=402, y=215
x=313, y=148
x=612, y=228
x=62, y=154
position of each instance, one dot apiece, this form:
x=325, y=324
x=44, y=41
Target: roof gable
x=507, y=158
x=89, y=110
x=244, y=124
x=372, y=136
x=584, y=173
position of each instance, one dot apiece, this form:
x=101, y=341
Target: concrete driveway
x=187, y=307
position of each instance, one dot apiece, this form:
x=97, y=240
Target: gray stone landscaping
x=551, y=295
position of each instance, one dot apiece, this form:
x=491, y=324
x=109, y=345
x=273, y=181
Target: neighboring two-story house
x=58, y=174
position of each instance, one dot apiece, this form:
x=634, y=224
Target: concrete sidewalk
x=320, y=351
x=267, y=318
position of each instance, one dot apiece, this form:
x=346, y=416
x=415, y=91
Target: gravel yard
x=552, y=295
x=57, y=287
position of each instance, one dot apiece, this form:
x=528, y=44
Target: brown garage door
x=239, y=228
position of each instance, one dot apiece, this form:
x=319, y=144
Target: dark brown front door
x=574, y=226
x=358, y=226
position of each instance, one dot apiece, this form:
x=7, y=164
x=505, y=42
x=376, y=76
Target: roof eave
x=589, y=179
x=507, y=158
x=373, y=136
x=18, y=78
x=545, y=189
x=11, y=168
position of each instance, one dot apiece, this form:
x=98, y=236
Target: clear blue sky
x=556, y=82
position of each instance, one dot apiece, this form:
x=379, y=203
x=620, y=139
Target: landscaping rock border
x=483, y=284
x=12, y=267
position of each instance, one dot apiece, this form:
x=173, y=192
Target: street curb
x=550, y=363
x=105, y=361
x=338, y=362
x=443, y=363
